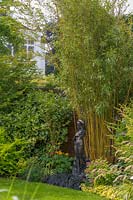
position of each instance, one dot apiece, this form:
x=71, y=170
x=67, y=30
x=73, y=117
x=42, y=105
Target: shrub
x=114, y=180
x=105, y=191
x=100, y=173
x=10, y=154
x=42, y=118
x=39, y=115
x=46, y=165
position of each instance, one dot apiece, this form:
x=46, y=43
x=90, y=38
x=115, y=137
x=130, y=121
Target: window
x=30, y=42
x=31, y=48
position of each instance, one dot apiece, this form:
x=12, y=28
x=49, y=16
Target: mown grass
x=39, y=191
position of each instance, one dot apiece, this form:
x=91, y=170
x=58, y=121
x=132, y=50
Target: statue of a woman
x=79, y=148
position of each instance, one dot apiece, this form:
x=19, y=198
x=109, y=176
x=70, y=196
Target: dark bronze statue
x=74, y=179
x=79, y=163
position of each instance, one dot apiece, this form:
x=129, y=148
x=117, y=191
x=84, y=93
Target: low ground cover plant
x=40, y=168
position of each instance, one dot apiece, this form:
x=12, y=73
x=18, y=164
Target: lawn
x=22, y=190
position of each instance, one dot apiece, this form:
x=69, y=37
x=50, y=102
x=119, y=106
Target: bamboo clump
x=93, y=66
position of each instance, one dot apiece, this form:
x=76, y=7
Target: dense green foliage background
x=33, y=121
x=93, y=53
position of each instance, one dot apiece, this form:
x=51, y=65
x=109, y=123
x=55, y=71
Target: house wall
x=38, y=50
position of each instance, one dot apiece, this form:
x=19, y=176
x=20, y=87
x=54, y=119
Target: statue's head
x=80, y=123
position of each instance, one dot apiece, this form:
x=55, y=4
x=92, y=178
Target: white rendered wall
x=38, y=52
